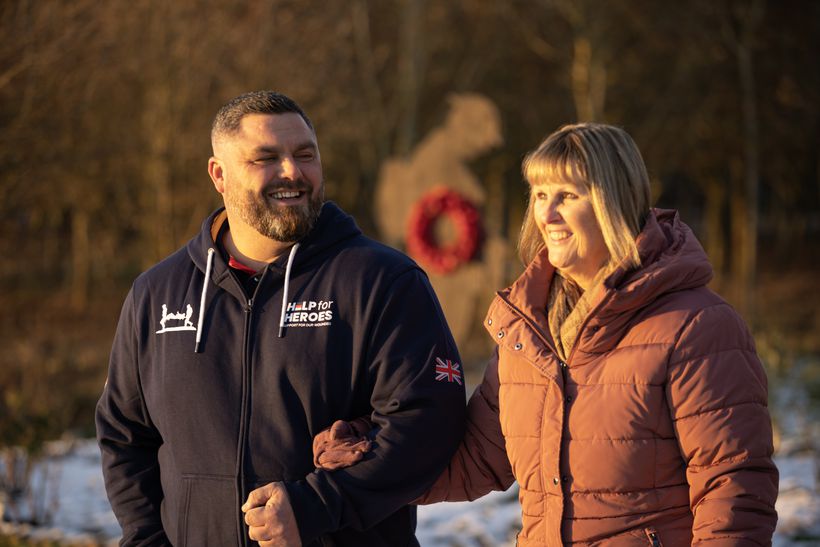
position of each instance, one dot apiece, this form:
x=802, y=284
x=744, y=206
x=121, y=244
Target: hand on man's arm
x=418, y=416
x=342, y=444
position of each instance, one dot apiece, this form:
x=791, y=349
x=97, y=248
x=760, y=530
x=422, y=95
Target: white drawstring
x=285, y=290
x=202, y=299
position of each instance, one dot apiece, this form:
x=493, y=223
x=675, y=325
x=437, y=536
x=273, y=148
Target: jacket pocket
x=208, y=514
x=653, y=537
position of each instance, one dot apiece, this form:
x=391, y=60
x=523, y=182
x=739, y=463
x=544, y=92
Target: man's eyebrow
x=276, y=149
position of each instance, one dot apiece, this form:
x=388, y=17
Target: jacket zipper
x=243, y=425
x=652, y=536
x=564, y=365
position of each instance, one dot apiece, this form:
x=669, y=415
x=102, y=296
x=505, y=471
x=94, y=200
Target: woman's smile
x=571, y=232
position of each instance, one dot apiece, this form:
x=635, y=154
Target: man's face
x=270, y=175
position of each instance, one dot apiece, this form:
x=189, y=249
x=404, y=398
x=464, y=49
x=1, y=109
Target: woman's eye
x=569, y=195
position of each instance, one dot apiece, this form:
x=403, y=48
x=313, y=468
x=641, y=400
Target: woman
x=624, y=396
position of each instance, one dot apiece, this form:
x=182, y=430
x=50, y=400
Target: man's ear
x=217, y=173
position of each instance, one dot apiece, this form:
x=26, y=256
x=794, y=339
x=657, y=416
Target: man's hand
x=270, y=517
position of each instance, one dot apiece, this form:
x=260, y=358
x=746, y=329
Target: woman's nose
x=551, y=214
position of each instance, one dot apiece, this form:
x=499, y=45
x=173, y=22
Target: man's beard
x=277, y=222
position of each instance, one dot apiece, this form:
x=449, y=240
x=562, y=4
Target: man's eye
x=304, y=157
x=266, y=159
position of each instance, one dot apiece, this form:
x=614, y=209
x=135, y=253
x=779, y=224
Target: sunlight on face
x=566, y=219
x=273, y=176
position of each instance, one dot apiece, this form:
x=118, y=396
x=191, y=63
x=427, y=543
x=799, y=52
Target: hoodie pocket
x=653, y=537
x=208, y=511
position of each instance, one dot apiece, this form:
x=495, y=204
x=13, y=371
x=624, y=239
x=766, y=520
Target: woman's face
x=565, y=217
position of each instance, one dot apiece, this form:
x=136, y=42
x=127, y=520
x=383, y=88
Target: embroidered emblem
x=448, y=370
x=185, y=318
x=309, y=313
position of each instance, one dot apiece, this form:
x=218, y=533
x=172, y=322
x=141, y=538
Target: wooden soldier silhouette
x=472, y=127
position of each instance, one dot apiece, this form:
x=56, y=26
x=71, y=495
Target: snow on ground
x=489, y=521
x=798, y=504
x=82, y=515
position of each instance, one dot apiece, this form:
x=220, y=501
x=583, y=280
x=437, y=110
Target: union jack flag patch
x=448, y=370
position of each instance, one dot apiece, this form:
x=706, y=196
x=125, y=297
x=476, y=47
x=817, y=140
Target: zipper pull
x=652, y=535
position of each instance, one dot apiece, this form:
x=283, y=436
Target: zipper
x=652, y=536
x=244, y=415
x=563, y=365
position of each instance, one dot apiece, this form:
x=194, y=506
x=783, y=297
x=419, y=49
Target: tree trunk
x=375, y=149
x=410, y=67
x=747, y=222
x=80, y=258
x=715, y=192
x=588, y=81
x=157, y=124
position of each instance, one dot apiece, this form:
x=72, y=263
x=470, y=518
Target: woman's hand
x=342, y=444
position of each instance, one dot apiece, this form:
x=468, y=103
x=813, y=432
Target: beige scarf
x=567, y=308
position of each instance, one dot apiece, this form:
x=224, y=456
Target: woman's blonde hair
x=610, y=165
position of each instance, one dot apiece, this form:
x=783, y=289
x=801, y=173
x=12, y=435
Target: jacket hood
x=672, y=260
x=332, y=226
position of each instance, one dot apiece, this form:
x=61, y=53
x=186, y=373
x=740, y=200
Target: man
x=207, y=418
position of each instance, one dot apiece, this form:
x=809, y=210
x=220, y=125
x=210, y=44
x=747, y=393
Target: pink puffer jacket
x=656, y=430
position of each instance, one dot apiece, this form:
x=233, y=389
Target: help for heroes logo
x=309, y=313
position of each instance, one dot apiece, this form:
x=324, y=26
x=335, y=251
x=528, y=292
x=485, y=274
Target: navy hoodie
x=186, y=435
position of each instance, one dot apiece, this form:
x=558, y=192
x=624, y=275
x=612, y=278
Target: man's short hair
x=229, y=117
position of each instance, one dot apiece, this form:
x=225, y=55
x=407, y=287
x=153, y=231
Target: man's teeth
x=558, y=236
x=285, y=195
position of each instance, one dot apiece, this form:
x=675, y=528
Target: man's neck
x=252, y=248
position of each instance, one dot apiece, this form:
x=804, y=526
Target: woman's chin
x=561, y=264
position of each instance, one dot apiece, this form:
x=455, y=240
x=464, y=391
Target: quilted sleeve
x=717, y=394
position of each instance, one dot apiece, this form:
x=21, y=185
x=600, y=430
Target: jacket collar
x=672, y=260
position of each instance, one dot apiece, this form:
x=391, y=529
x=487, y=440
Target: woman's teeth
x=558, y=236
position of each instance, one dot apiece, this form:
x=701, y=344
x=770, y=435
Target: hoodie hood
x=332, y=227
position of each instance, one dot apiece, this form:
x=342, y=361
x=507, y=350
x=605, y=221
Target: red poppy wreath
x=435, y=205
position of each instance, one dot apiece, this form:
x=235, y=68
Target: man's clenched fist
x=270, y=517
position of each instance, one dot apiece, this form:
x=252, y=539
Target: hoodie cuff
x=312, y=516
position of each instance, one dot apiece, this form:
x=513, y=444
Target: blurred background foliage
x=105, y=111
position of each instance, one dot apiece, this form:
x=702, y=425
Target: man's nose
x=288, y=169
